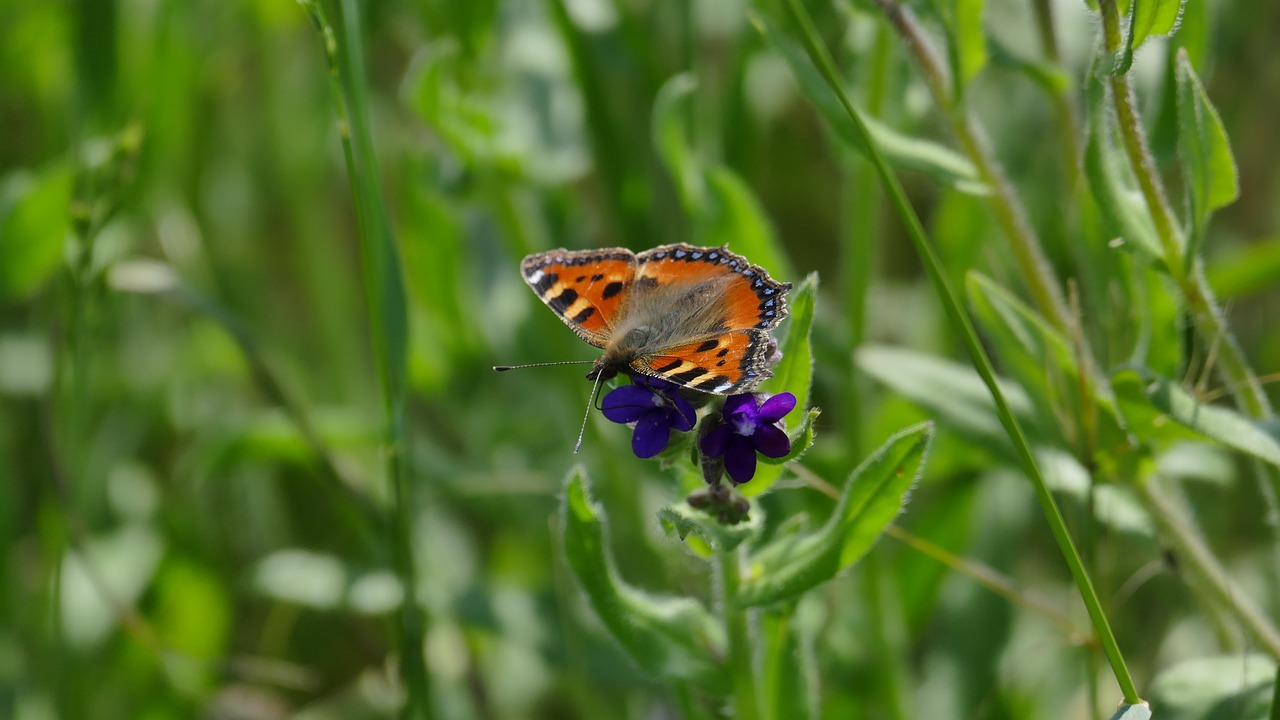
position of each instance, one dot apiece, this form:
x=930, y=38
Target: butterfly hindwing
x=585, y=288
x=729, y=363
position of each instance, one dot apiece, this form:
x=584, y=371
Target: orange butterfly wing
x=753, y=299
x=732, y=361
x=585, y=288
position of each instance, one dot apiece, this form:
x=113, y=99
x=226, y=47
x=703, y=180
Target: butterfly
x=699, y=317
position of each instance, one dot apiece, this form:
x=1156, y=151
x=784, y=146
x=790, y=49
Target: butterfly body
x=696, y=316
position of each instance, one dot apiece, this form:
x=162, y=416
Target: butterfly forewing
x=752, y=299
x=585, y=288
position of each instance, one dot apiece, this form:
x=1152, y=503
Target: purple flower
x=654, y=407
x=748, y=427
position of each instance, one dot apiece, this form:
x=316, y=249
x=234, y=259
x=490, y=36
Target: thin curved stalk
x=1008, y=210
x=959, y=318
x=384, y=291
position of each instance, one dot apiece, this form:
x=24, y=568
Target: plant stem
x=740, y=663
x=1027, y=252
x=385, y=299
x=960, y=320
x=1189, y=276
x=1197, y=559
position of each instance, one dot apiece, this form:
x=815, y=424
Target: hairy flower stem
x=740, y=663
x=1188, y=275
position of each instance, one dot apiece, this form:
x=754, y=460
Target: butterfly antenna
x=504, y=368
x=590, y=402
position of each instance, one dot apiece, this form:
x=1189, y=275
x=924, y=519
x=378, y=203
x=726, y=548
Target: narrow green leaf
x=1146, y=18
x=873, y=496
x=1214, y=422
x=1152, y=18
x=1207, y=163
x=1048, y=75
x=1214, y=688
x=35, y=221
x=1147, y=422
x=1111, y=180
x=968, y=42
x=949, y=390
x=794, y=373
x=667, y=637
x=902, y=151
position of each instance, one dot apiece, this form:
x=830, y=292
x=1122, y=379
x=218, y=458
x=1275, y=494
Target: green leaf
x=667, y=637
x=1227, y=687
x=1146, y=18
x=902, y=151
x=684, y=520
x=1151, y=18
x=949, y=390
x=968, y=42
x=873, y=496
x=1144, y=419
x=1207, y=163
x=1111, y=180
x=794, y=373
x=1049, y=76
x=35, y=221
x=1223, y=425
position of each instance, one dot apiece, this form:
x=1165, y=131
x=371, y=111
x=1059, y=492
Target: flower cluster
x=745, y=425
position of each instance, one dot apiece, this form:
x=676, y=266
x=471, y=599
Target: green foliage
x=873, y=496
x=667, y=637
x=1207, y=164
x=1216, y=688
x=34, y=223
x=253, y=278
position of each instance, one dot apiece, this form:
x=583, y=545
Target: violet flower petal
x=771, y=441
x=714, y=442
x=740, y=459
x=737, y=404
x=682, y=416
x=651, y=435
x=773, y=409
x=627, y=403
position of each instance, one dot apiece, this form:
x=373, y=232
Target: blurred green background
x=180, y=282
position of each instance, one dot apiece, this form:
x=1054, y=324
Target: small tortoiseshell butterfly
x=699, y=317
